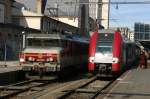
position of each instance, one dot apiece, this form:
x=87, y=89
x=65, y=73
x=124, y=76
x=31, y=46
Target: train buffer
x=135, y=84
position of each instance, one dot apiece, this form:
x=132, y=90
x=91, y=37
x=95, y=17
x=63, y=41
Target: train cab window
x=43, y=42
x=104, y=42
x=104, y=47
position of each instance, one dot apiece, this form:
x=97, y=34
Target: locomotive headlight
x=51, y=59
x=91, y=59
x=115, y=60
x=22, y=60
x=48, y=59
x=33, y=59
x=30, y=58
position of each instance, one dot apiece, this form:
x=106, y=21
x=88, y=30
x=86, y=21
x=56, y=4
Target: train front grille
x=103, y=67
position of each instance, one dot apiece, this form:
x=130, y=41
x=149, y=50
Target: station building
x=142, y=35
x=78, y=13
x=10, y=33
x=73, y=12
x=15, y=19
x=142, y=31
x=100, y=12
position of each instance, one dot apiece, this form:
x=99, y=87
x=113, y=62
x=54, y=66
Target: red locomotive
x=110, y=53
x=53, y=53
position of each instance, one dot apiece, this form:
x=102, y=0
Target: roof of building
x=24, y=13
x=52, y=6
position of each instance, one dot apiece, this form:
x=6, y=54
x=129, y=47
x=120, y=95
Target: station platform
x=9, y=66
x=10, y=72
x=135, y=84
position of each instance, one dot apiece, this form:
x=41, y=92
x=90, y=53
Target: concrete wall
x=84, y=18
x=27, y=18
x=5, y=11
x=105, y=14
x=11, y=36
x=100, y=12
x=8, y=9
x=93, y=9
x=32, y=22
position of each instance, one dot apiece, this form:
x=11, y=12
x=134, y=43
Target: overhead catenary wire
x=125, y=2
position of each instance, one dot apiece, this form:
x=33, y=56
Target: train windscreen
x=104, y=47
x=42, y=42
x=104, y=43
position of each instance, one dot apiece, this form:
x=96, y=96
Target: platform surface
x=134, y=85
x=9, y=66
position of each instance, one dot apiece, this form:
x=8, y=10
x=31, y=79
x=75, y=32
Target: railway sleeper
x=81, y=90
x=16, y=88
x=85, y=90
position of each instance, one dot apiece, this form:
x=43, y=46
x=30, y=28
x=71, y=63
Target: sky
x=126, y=15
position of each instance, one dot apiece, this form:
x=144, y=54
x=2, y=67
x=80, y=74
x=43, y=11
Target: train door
x=124, y=56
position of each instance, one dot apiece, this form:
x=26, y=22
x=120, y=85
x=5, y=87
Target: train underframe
x=105, y=70
x=40, y=70
x=50, y=72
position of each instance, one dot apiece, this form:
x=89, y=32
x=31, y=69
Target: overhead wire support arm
x=142, y=2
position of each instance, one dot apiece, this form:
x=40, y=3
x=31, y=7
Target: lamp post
x=23, y=37
x=5, y=54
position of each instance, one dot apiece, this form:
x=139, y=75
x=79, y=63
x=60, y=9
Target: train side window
x=51, y=43
x=64, y=43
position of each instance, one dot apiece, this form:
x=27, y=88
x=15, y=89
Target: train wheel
x=39, y=77
x=40, y=73
x=90, y=75
x=31, y=76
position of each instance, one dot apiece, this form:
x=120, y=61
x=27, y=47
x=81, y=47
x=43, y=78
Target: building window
x=0, y=13
x=146, y=36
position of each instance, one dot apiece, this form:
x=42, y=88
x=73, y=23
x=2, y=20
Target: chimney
x=39, y=6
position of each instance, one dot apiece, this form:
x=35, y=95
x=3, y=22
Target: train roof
x=58, y=36
x=106, y=31
x=43, y=36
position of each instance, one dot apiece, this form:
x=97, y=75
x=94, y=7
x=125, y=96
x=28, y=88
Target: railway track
x=82, y=89
x=13, y=90
x=89, y=90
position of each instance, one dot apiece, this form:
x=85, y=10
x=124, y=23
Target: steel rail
x=95, y=93
x=74, y=90
x=101, y=90
x=19, y=83
x=19, y=90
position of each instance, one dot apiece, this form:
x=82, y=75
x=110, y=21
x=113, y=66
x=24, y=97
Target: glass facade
x=141, y=31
